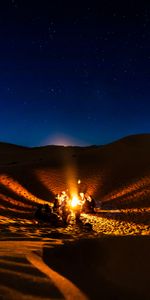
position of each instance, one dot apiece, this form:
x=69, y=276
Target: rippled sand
x=110, y=262
x=22, y=238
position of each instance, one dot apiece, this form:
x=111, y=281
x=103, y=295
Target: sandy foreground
x=113, y=261
x=44, y=263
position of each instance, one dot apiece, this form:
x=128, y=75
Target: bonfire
x=75, y=201
x=67, y=206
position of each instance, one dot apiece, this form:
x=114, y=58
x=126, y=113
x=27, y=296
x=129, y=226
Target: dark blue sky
x=74, y=73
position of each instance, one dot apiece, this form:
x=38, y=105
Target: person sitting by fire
x=56, y=205
x=78, y=215
x=44, y=213
x=65, y=211
x=38, y=212
x=89, y=205
x=93, y=205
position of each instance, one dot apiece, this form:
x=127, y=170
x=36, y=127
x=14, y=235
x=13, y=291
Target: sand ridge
x=118, y=177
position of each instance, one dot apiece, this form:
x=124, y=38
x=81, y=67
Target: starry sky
x=74, y=72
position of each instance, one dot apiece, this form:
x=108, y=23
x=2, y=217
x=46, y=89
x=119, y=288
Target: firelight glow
x=75, y=201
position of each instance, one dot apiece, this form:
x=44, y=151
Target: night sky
x=74, y=72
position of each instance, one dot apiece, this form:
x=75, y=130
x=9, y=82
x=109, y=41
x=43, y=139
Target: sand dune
x=118, y=177
x=117, y=174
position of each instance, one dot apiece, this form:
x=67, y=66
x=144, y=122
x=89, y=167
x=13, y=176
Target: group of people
x=45, y=213
x=61, y=212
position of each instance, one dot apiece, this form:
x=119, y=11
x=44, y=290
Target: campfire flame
x=75, y=201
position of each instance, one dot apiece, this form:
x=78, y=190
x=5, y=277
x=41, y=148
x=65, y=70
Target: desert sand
x=112, y=262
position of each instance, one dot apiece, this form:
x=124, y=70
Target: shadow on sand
x=106, y=268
